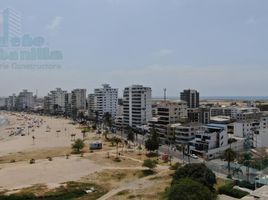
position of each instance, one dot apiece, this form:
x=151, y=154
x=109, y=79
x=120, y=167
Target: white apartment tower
x=137, y=105
x=25, y=101
x=106, y=100
x=91, y=105
x=57, y=100
x=79, y=99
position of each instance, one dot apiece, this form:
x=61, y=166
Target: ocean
x=238, y=98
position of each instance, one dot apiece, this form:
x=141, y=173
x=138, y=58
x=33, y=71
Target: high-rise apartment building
x=11, y=102
x=55, y=101
x=137, y=105
x=168, y=112
x=191, y=97
x=25, y=101
x=79, y=99
x=106, y=100
x=91, y=105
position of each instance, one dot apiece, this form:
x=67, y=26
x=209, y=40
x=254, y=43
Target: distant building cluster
x=203, y=129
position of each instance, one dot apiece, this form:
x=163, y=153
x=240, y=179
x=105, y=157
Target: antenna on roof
x=165, y=94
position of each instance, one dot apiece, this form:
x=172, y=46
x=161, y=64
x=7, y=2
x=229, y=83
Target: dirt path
x=134, y=185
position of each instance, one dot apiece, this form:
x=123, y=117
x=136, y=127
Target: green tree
x=229, y=156
x=78, y=145
x=130, y=136
x=197, y=172
x=74, y=113
x=151, y=164
x=81, y=116
x=106, y=133
x=96, y=121
x=152, y=143
x=237, y=171
x=188, y=189
x=107, y=120
x=116, y=140
x=247, y=159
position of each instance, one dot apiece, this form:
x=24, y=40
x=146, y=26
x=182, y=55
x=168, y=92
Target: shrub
x=151, y=164
x=229, y=176
x=25, y=196
x=32, y=161
x=197, y=172
x=230, y=191
x=117, y=159
x=175, y=166
x=188, y=189
x=245, y=184
x=78, y=145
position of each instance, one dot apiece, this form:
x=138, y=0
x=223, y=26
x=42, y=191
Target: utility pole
x=165, y=94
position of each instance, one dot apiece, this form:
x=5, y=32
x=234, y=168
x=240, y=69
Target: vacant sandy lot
x=52, y=173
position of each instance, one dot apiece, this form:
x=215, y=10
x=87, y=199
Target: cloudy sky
x=218, y=47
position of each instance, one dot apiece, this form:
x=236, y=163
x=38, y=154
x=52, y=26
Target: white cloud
x=54, y=24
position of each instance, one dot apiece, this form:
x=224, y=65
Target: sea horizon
x=245, y=98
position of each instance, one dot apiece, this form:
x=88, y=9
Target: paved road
x=165, y=149
x=178, y=154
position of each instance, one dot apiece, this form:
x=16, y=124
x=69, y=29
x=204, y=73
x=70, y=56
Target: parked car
x=194, y=156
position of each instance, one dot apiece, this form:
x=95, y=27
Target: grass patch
x=152, y=155
x=122, y=193
x=36, y=154
x=71, y=190
x=232, y=192
x=145, y=173
x=139, y=196
x=221, y=182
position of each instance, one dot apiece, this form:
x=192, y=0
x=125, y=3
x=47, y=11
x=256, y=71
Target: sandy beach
x=49, y=133
x=52, y=135
x=53, y=139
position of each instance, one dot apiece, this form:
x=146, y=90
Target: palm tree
x=237, y=171
x=116, y=140
x=106, y=135
x=96, y=119
x=246, y=161
x=107, y=119
x=229, y=156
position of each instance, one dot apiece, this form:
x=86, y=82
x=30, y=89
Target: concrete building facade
x=106, y=100
x=137, y=105
x=191, y=97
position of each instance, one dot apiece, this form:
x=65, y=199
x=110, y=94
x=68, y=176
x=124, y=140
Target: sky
x=218, y=47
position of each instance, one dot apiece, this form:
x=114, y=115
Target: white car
x=194, y=156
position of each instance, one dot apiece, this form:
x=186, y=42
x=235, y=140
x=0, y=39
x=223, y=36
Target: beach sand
x=43, y=139
x=22, y=174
